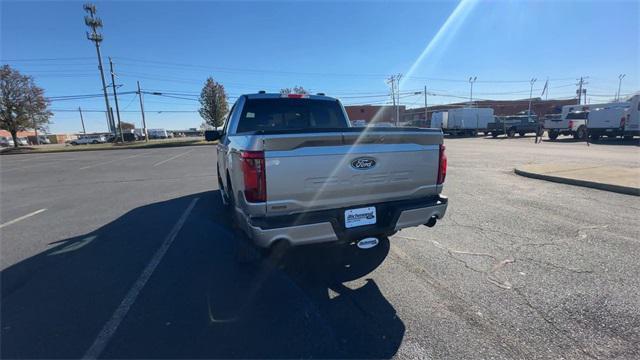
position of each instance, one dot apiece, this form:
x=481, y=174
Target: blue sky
x=342, y=49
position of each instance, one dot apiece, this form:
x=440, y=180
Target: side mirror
x=212, y=135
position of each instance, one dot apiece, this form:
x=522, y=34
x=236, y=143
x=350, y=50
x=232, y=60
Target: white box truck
x=468, y=121
x=439, y=119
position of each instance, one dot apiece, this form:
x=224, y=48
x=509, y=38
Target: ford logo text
x=363, y=163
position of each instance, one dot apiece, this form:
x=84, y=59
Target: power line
x=46, y=59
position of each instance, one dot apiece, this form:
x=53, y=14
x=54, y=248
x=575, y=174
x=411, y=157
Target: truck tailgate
x=349, y=168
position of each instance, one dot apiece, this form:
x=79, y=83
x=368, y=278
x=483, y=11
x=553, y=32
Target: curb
x=584, y=183
x=154, y=146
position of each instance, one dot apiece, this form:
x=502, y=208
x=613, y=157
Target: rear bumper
x=328, y=225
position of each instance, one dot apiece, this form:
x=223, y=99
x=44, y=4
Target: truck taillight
x=442, y=166
x=255, y=179
x=570, y=124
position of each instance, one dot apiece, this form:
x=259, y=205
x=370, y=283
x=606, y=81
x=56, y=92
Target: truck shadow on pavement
x=199, y=302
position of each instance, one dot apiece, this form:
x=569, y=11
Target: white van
x=632, y=118
x=609, y=121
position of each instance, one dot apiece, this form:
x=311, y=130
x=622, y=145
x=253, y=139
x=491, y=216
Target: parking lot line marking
x=108, y=162
x=171, y=158
x=111, y=326
x=22, y=218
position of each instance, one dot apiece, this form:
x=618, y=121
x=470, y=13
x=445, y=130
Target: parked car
x=6, y=141
x=157, y=134
x=89, y=139
x=292, y=171
x=358, y=123
x=516, y=124
x=42, y=140
x=383, y=124
x=23, y=141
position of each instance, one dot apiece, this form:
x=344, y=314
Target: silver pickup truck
x=292, y=169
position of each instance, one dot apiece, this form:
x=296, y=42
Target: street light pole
x=620, y=77
x=532, y=81
x=471, y=81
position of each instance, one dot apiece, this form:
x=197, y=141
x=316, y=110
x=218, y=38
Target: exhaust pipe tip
x=432, y=222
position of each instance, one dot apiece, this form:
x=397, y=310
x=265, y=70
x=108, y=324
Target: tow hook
x=431, y=222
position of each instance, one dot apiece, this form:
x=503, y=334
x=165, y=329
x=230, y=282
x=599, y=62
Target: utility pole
x=620, y=77
x=426, y=113
x=84, y=131
x=532, y=81
x=398, y=103
x=144, y=122
x=581, y=91
x=115, y=98
x=95, y=23
x=471, y=81
x=392, y=81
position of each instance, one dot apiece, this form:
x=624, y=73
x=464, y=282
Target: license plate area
x=360, y=217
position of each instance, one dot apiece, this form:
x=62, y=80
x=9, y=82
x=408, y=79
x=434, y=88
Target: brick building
x=367, y=112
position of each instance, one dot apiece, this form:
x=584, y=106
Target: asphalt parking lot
x=128, y=254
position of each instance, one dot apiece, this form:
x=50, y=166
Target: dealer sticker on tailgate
x=359, y=217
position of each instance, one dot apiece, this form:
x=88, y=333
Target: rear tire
x=511, y=132
x=553, y=134
x=494, y=135
x=522, y=133
x=581, y=134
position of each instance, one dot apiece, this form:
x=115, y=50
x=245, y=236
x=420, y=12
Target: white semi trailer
x=463, y=121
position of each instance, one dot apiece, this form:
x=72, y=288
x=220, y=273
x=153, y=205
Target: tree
x=296, y=90
x=22, y=103
x=213, y=103
x=127, y=126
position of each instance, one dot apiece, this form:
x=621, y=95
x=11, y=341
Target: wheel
x=94, y=142
x=521, y=133
x=494, y=135
x=511, y=132
x=553, y=134
x=581, y=134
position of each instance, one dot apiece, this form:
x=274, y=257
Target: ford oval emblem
x=368, y=243
x=363, y=163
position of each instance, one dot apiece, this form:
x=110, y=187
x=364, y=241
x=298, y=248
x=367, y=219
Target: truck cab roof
x=292, y=96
